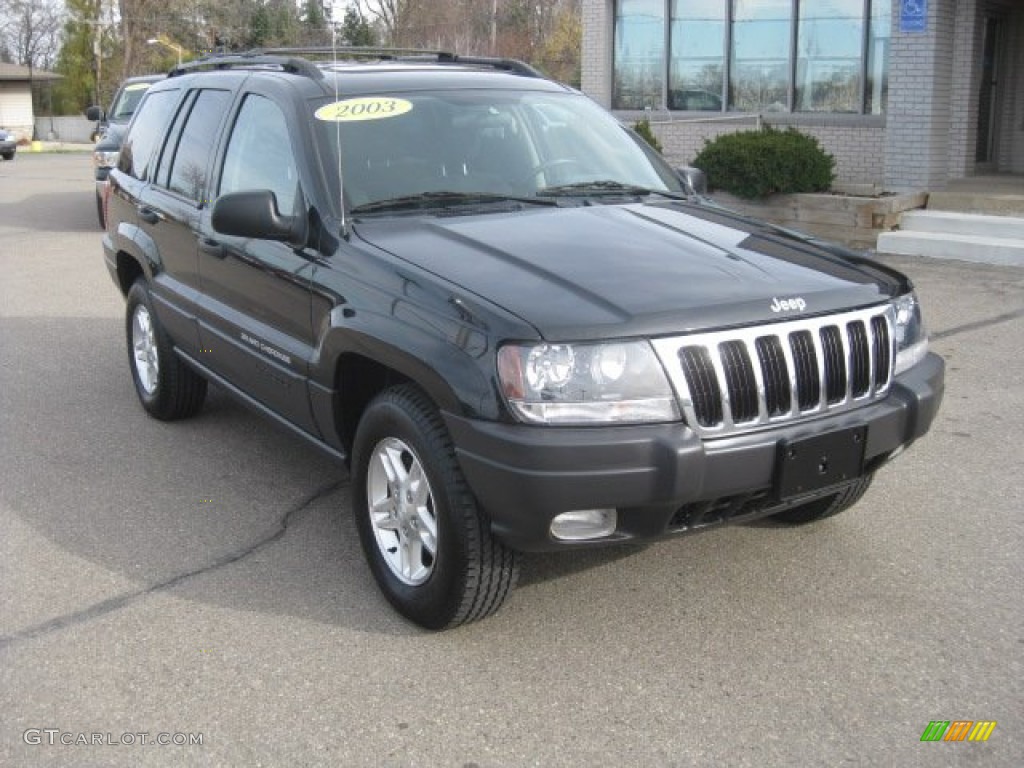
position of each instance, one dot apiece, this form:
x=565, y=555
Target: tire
x=8, y=156
x=428, y=544
x=166, y=387
x=99, y=212
x=828, y=506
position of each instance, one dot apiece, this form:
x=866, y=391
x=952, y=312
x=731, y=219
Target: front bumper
x=663, y=478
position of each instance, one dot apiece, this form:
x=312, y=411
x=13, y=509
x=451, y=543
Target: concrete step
x=957, y=223
x=943, y=245
x=995, y=203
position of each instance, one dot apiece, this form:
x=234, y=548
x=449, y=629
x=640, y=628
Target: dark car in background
x=110, y=129
x=8, y=145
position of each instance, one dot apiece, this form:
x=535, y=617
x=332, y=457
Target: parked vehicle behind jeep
x=110, y=129
x=8, y=145
x=514, y=324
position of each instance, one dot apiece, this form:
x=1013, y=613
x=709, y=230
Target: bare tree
x=390, y=15
x=30, y=31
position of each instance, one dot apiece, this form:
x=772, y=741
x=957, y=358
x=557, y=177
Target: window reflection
x=829, y=41
x=760, y=55
x=878, y=56
x=259, y=154
x=698, y=52
x=825, y=68
x=639, y=54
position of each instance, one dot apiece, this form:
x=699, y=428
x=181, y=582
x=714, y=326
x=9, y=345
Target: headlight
x=911, y=337
x=621, y=383
x=105, y=159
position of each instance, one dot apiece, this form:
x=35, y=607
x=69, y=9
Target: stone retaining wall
x=852, y=220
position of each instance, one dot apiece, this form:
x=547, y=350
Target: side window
x=146, y=133
x=192, y=157
x=259, y=153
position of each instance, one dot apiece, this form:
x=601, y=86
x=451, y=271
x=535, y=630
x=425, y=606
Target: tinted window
x=146, y=134
x=191, y=160
x=259, y=153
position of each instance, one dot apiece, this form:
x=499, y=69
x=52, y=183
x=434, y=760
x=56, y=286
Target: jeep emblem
x=788, y=305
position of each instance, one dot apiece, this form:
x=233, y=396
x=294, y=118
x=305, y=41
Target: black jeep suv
x=512, y=321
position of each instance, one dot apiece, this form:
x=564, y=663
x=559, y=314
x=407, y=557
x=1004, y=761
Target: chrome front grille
x=744, y=379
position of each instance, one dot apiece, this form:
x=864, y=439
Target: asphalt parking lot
x=205, y=579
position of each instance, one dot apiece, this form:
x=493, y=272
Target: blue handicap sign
x=913, y=15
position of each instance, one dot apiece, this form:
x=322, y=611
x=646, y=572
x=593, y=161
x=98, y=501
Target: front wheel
x=428, y=544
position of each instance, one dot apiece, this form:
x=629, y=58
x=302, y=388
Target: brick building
x=905, y=94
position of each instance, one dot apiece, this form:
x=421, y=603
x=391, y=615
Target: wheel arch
x=360, y=377
x=135, y=255
x=129, y=269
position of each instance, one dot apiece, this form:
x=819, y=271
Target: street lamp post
x=162, y=40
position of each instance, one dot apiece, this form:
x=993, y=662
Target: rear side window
x=259, y=153
x=146, y=134
x=192, y=156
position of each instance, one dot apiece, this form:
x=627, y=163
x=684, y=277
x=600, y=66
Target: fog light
x=583, y=524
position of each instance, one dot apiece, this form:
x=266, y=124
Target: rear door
x=254, y=320
x=170, y=208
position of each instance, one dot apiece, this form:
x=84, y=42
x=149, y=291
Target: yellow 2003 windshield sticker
x=364, y=108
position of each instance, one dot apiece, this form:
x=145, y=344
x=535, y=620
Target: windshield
x=127, y=101
x=518, y=144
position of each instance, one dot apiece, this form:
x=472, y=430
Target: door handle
x=148, y=215
x=212, y=247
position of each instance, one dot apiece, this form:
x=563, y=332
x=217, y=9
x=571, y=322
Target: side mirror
x=94, y=114
x=254, y=213
x=694, y=178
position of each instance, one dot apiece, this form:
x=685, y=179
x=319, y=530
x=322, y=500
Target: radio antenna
x=337, y=134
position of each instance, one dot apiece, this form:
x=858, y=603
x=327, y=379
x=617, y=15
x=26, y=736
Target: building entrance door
x=987, y=98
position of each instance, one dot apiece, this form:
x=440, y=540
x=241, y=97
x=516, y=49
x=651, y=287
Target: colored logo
x=958, y=730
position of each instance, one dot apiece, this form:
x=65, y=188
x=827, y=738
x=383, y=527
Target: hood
x=643, y=269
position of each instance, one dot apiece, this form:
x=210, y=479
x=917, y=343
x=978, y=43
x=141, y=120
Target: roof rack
x=349, y=51
x=293, y=64
x=294, y=59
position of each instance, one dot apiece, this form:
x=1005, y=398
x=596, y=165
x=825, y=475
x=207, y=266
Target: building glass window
x=827, y=56
x=761, y=31
x=639, y=54
x=879, y=31
x=696, y=73
x=830, y=37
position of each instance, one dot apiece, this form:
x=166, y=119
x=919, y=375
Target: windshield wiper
x=606, y=187
x=443, y=198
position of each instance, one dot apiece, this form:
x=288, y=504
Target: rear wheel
x=828, y=506
x=167, y=388
x=428, y=544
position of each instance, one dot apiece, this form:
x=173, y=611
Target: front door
x=254, y=316
x=988, y=107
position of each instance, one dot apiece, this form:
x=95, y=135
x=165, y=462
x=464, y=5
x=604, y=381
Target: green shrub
x=643, y=129
x=760, y=163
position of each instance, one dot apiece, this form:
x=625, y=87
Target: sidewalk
x=54, y=146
